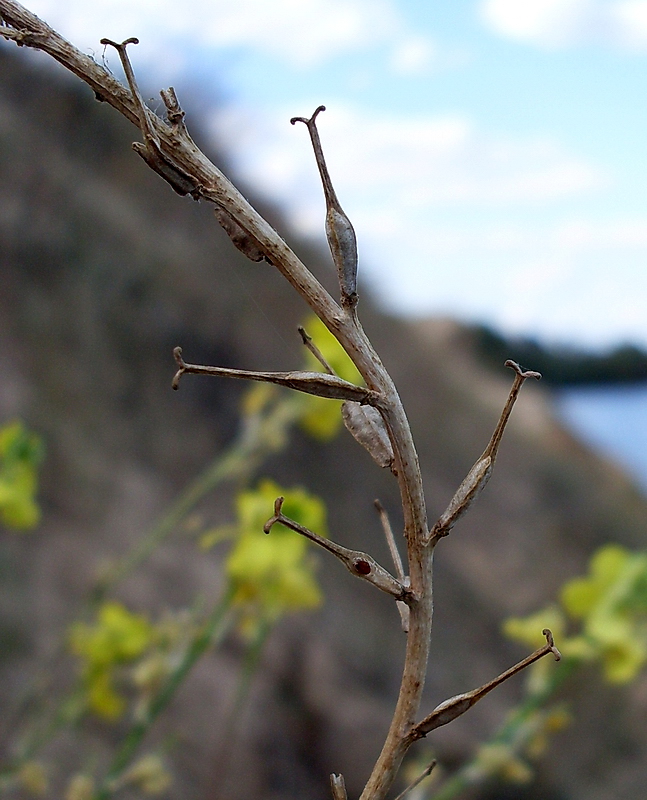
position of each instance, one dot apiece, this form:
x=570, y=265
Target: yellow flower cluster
x=607, y=610
x=272, y=574
x=117, y=637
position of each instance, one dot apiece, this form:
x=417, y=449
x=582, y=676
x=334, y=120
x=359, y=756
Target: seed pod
x=339, y=231
x=465, y=495
x=343, y=247
x=367, y=427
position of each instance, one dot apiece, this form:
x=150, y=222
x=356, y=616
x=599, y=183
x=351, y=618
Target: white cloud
x=412, y=55
x=548, y=22
x=390, y=167
x=302, y=33
x=563, y=23
x=456, y=220
x=631, y=18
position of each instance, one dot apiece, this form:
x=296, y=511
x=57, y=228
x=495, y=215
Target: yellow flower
x=149, y=774
x=117, y=637
x=611, y=603
x=273, y=573
x=80, y=787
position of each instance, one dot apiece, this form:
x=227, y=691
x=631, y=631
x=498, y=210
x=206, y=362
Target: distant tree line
x=562, y=365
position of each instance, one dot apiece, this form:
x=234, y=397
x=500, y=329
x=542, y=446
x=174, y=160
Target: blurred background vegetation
x=148, y=553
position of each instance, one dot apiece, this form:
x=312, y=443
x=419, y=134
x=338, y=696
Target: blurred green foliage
x=601, y=617
x=21, y=453
x=321, y=417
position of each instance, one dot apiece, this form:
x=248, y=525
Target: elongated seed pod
x=339, y=231
x=466, y=494
x=343, y=247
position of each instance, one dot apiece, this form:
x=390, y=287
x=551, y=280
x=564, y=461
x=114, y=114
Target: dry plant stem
x=338, y=787
x=479, y=474
x=26, y=29
x=458, y=705
x=359, y=564
x=390, y=540
x=403, y=608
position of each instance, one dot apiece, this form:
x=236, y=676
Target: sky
x=491, y=154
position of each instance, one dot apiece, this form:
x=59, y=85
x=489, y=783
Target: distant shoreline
x=562, y=366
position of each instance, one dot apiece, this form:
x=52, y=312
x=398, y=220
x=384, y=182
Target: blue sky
x=490, y=153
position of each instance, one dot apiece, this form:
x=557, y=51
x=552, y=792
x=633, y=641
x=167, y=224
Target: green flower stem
x=215, y=627
x=509, y=734
x=65, y=714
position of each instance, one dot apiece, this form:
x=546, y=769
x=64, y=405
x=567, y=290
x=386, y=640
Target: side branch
x=359, y=564
x=480, y=473
x=458, y=705
x=308, y=342
x=317, y=383
x=427, y=771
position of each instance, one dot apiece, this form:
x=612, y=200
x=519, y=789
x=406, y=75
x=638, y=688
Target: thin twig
x=417, y=781
x=358, y=563
x=390, y=540
x=316, y=352
x=403, y=608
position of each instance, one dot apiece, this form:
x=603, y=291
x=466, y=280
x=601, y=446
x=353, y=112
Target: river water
x=612, y=419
